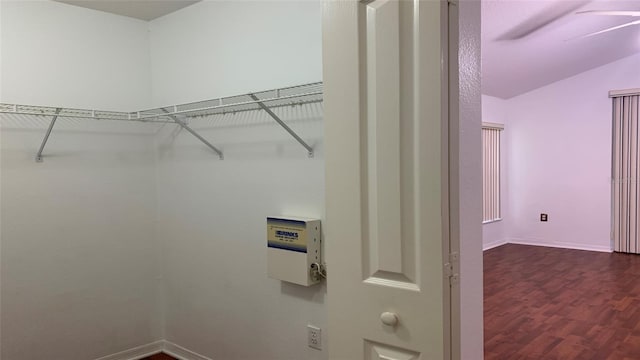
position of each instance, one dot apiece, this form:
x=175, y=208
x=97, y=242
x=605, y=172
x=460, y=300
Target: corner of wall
x=469, y=181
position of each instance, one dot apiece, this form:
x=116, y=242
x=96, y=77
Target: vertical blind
x=625, y=172
x=491, y=172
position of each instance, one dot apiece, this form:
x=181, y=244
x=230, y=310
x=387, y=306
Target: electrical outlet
x=314, y=337
x=544, y=217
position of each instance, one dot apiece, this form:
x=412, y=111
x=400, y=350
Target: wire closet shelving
x=265, y=101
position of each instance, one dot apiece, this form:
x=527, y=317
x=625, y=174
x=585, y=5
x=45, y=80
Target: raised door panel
x=388, y=130
x=377, y=351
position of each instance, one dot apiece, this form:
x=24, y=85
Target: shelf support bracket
x=46, y=135
x=284, y=126
x=194, y=133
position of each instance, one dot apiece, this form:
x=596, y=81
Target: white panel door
x=386, y=176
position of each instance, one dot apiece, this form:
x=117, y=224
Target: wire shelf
x=276, y=98
x=258, y=101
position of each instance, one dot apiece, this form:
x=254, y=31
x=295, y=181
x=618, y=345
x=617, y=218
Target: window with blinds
x=625, y=171
x=491, y=172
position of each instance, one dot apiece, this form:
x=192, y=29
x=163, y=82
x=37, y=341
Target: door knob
x=389, y=318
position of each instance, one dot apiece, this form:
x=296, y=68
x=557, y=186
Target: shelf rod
x=284, y=126
x=230, y=105
x=194, y=133
x=218, y=112
x=46, y=136
x=83, y=116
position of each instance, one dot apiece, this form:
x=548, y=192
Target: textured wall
x=470, y=181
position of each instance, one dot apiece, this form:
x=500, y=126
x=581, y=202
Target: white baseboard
x=563, y=245
x=181, y=353
x=494, y=244
x=155, y=347
x=137, y=353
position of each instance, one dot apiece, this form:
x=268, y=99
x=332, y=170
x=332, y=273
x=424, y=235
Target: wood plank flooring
x=548, y=303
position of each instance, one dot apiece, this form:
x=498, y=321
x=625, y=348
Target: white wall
x=61, y=55
x=78, y=276
x=221, y=48
x=77, y=267
x=220, y=302
x=494, y=110
x=560, y=158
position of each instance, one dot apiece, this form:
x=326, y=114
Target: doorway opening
x=553, y=287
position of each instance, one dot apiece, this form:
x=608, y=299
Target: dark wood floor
x=547, y=303
x=160, y=356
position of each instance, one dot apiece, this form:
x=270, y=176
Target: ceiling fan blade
x=552, y=13
x=637, y=22
x=610, y=12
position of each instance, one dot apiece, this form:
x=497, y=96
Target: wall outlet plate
x=544, y=217
x=314, y=337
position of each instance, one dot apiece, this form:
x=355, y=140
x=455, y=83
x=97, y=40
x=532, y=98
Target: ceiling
x=516, y=59
x=139, y=9
x=526, y=44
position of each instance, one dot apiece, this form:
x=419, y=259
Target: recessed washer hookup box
x=293, y=247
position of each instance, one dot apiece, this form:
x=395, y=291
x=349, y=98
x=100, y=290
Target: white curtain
x=625, y=174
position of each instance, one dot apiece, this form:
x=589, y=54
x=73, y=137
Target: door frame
x=461, y=179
